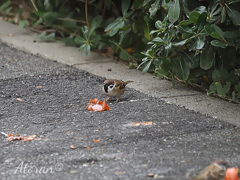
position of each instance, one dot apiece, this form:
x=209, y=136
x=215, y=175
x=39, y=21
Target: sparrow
x=215, y=171
x=114, y=88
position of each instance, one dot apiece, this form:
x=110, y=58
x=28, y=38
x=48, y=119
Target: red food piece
x=232, y=174
x=96, y=105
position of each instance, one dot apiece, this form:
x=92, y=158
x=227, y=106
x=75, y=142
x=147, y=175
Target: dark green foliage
x=191, y=40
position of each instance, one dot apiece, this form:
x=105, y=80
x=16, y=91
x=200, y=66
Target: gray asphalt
x=177, y=146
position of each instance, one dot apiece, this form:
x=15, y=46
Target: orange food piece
x=232, y=174
x=96, y=141
x=96, y=105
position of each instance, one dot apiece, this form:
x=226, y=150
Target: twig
x=35, y=7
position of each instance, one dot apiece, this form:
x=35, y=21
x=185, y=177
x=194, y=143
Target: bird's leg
x=109, y=98
x=117, y=100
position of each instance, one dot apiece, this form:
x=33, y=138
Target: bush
x=196, y=42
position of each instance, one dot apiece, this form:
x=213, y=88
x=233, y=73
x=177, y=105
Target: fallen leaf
x=39, y=87
x=96, y=105
x=70, y=104
x=73, y=147
x=188, y=161
x=18, y=99
x=141, y=123
x=76, y=137
x=96, y=130
x=96, y=141
x=10, y=35
x=88, y=148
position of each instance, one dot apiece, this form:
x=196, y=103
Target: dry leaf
x=73, y=147
x=96, y=130
x=96, y=141
x=88, y=148
x=76, y=137
x=39, y=87
x=70, y=104
x=10, y=35
x=141, y=123
x=18, y=99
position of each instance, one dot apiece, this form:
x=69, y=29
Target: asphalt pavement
x=48, y=99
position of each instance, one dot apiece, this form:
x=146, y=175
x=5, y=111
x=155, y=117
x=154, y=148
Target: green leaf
x=157, y=62
x=95, y=39
x=168, y=46
x=137, y=3
x=185, y=28
x=145, y=69
x=23, y=23
x=221, y=75
x=69, y=24
x=50, y=17
x=158, y=40
x=180, y=43
x=194, y=16
x=182, y=70
x=5, y=5
x=190, y=59
x=222, y=91
x=174, y=12
x=234, y=16
x=45, y=37
x=69, y=41
x=161, y=73
x=124, y=55
x=218, y=30
x=84, y=48
x=185, y=35
x=186, y=22
x=80, y=40
x=158, y=24
x=115, y=23
x=96, y=22
x=230, y=34
x=201, y=21
x=200, y=43
x=223, y=15
x=125, y=6
x=154, y=8
x=207, y=58
x=218, y=43
x=237, y=88
x=8, y=10
x=232, y=77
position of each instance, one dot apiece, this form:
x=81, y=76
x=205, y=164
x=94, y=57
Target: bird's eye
x=111, y=86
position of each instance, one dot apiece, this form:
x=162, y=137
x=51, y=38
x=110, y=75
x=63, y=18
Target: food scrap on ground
x=142, y=123
x=96, y=105
x=232, y=174
x=11, y=137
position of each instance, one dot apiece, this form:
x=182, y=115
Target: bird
x=114, y=88
x=215, y=171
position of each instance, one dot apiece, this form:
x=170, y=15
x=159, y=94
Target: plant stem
x=35, y=7
x=86, y=15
